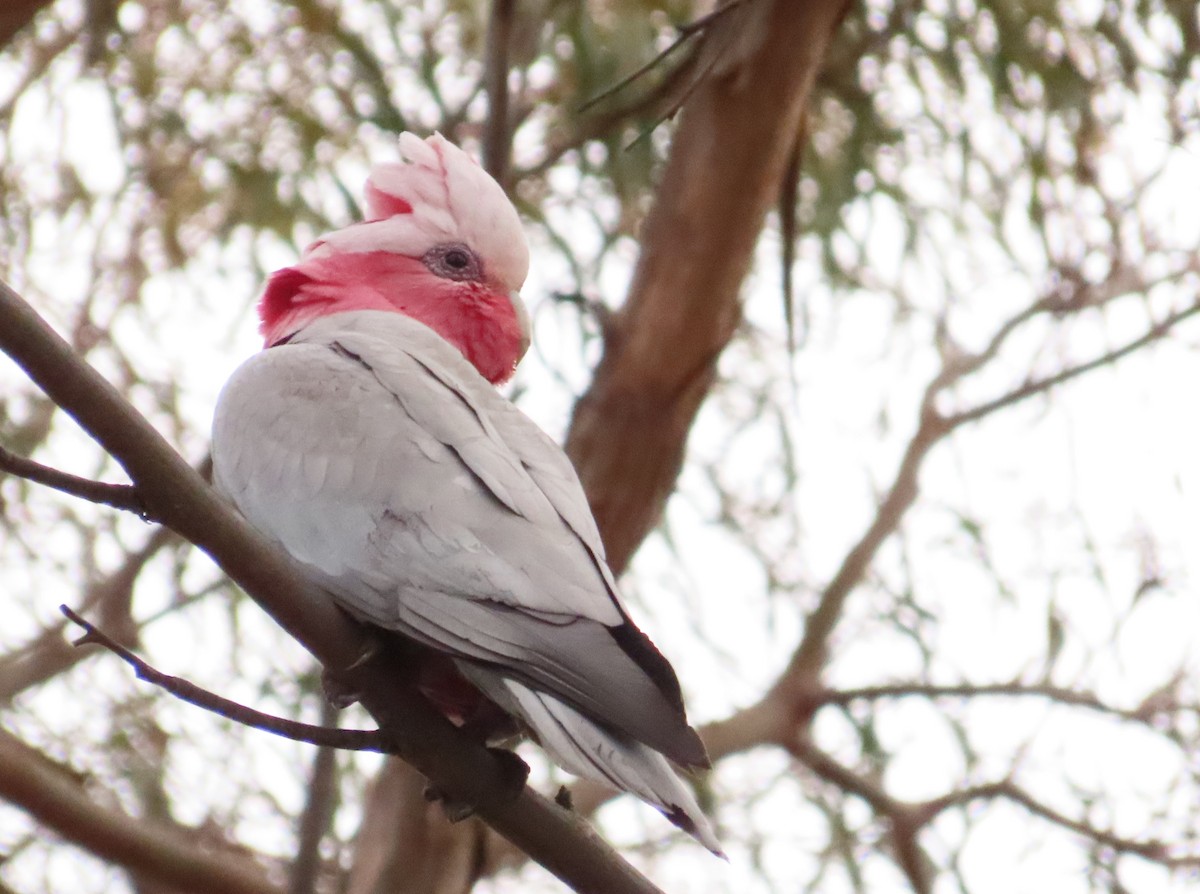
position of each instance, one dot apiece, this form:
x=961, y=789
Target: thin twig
x=692, y=86
x=1060, y=695
x=630, y=78
x=1154, y=333
x=685, y=33
x=598, y=124
x=905, y=823
x=118, y=496
x=346, y=739
x=1150, y=849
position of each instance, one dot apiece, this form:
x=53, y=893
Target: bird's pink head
x=441, y=243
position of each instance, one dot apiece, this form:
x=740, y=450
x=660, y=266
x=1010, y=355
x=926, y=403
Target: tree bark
x=727, y=159
x=15, y=15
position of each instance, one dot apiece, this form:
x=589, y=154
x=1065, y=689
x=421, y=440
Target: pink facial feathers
x=441, y=244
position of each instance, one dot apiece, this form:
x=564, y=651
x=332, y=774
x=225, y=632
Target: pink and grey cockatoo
x=368, y=440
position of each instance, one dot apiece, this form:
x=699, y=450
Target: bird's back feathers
x=431, y=506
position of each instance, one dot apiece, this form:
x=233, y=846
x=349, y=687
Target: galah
x=369, y=440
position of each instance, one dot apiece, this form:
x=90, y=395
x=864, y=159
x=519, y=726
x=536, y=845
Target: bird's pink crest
x=439, y=194
x=380, y=205
x=435, y=201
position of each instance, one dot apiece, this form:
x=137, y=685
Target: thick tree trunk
x=15, y=15
x=724, y=172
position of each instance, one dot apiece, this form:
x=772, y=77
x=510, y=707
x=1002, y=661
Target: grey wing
x=549, y=468
x=404, y=500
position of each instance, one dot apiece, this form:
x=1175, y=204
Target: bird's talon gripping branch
x=514, y=770
x=455, y=811
x=338, y=685
x=339, y=692
x=370, y=651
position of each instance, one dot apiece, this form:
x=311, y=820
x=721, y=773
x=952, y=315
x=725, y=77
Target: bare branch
x=346, y=739
x=1150, y=849
x=177, y=857
x=1058, y=694
x=1038, y=386
x=932, y=428
x=905, y=826
x=118, y=496
x=810, y=656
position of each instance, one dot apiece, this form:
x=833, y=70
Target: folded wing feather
x=430, y=505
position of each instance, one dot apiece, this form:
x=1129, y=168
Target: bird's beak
x=522, y=321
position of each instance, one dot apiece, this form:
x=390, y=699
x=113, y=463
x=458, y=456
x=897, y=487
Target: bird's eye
x=457, y=259
x=453, y=261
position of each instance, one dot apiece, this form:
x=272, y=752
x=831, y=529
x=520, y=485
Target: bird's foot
x=339, y=690
x=490, y=726
x=513, y=771
x=456, y=811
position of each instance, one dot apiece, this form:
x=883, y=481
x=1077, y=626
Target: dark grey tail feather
x=634, y=643
x=585, y=748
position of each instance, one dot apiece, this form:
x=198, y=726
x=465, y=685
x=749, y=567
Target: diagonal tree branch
x=465, y=771
x=174, y=856
x=118, y=496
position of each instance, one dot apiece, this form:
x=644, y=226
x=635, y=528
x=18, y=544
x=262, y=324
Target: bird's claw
x=563, y=798
x=513, y=771
x=456, y=811
x=339, y=691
